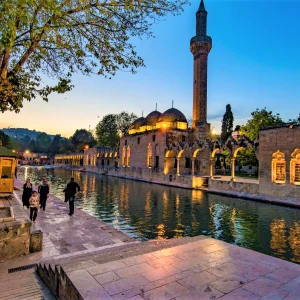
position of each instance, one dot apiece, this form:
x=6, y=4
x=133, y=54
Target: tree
x=4, y=138
x=32, y=146
x=25, y=141
x=55, y=145
x=107, y=131
x=124, y=120
x=82, y=138
x=42, y=142
x=260, y=118
x=60, y=37
x=227, y=123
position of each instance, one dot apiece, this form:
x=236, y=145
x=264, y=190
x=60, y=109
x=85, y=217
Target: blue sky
x=254, y=63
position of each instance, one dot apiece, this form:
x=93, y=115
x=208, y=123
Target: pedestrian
x=70, y=192
x=34, y=202
x=16, y=172
x=44, y=192
x=27, y=192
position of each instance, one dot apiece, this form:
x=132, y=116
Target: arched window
x=128, y=157
x=295, y=167
x=149, y=156
x=278, y=167
x=123, y=156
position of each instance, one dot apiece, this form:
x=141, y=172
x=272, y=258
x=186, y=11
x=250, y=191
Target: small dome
x=172, y=115
x=152, y=118
x=137, y=123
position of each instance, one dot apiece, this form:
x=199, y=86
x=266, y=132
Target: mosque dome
x=172, y=115
x=152, y=118
x=137, y=123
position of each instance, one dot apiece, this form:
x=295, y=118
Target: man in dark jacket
x=70, y=192
x=43, y=191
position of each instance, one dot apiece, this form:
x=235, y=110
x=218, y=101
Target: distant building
x=31, y=158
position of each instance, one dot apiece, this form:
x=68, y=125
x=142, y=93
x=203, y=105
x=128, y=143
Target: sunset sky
x=254, y=63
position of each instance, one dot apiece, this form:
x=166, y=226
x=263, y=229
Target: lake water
x=149, y=211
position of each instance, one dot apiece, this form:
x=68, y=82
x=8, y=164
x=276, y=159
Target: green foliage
x=108, y=130
x=260, y=118
x=42, y=143
x=227, y=123
x=246, y=157
x=60, y=37
x=82, y=138
x=4, y=139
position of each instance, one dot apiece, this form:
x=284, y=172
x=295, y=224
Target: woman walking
x=27, y=192
x=34, y=202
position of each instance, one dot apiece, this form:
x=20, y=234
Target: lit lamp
x=236, y=134
x=86, y=147
x=27, y=151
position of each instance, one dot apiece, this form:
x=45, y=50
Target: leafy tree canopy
x=260, y=118
x=4, y=139
x=42, y=143
x=60, y=37
x=82, y=138
x=227, y=123
x=109, y=129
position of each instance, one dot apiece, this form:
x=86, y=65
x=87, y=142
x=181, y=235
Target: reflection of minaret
x=200, y=46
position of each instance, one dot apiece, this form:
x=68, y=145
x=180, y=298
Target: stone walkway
x=65, y=235
x=201, y=268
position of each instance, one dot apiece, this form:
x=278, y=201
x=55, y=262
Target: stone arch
x=184, y=161
x=295, y=167
x=170, y=162
x=128, y=156
x=278, y=167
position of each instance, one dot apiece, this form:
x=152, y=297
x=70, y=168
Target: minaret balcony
x=201, y=39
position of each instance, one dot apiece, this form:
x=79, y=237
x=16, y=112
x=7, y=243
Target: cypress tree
x=227, y=123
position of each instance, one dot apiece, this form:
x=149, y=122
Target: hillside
x=19, y=133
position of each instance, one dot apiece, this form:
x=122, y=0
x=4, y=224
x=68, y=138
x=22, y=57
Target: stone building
x=163, y=148
x=279, y=161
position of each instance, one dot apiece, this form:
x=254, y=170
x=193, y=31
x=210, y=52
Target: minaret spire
x=201, y=6
x=200, y=46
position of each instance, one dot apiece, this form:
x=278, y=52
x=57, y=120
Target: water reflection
x=146, y=211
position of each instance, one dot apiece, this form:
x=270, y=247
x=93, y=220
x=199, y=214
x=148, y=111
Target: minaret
x=200, y=46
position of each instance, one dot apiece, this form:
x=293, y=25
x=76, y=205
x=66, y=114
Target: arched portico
x=170, y=166
x=184, y=162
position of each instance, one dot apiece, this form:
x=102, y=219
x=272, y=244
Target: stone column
x=178, y=166
x=211, y=166
x=193, y=166
x=232, y=167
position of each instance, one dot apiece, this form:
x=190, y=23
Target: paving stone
x=137, y=297
x=228, y=283
x=166, y=292
x=83, y=280
x=95, y=294
x=202, y=292
x=188, y=264
x=276, y=295
x=125, y=284
x=283, y=275
x=196, y=280
x=262, y=286
x=134, y=270
x=111, y=266
x=106, y=277
x=160, y=273
x=240, y=294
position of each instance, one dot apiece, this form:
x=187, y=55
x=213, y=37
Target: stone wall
x=14, y=239
x=232, y=186
x=150, y=175
x=286, y=140
x=58, y=282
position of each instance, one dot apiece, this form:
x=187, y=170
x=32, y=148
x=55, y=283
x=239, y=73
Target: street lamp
x=27, y=151
x=86, y=147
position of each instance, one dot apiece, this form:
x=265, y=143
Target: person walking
x=34, y=203
x=70, y=192
x=27, y=192
x=43, y=191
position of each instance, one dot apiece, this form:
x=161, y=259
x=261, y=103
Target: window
x=278, y=167
x=128, y=157
x=138, y=140
x=156, y=161
x=125, y=142
x=153, y=138
x=183, y=138
x=187, y=162
x=6, y=168
x=295, y=167
x=149, y=156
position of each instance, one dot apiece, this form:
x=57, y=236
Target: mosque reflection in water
x=148, y=211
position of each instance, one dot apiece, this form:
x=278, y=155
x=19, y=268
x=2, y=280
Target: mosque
x=162, y=147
